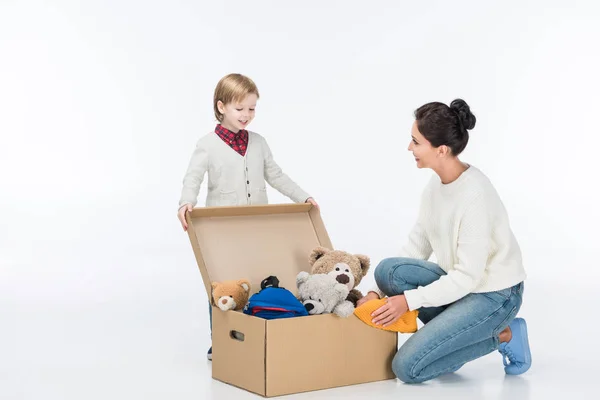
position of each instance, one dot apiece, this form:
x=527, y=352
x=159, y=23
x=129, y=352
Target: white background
x=101, y=104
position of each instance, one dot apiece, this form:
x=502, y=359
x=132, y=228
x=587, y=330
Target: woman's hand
x=389, y=313
x=181, y=215
x=312, y=201
x=369, y=296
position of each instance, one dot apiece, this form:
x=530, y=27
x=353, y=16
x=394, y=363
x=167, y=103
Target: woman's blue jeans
x=453, y=334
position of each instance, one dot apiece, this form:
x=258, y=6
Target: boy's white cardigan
x=234, y=179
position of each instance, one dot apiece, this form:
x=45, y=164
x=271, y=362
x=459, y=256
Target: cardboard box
x=280, y=356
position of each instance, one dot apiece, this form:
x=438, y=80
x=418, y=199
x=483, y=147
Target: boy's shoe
x=209, y=354
x=517, y=350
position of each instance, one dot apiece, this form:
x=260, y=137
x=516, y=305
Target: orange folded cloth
x=407, y=323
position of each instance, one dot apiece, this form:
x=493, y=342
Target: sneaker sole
x=525, y=336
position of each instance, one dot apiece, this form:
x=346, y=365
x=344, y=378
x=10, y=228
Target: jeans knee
x=390, y=275
x=382, y=274
x=403, y=366
x=379, y=272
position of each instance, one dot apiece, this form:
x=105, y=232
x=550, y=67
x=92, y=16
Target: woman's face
x=425, y=154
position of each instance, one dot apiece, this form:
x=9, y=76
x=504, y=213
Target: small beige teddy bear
x=231, y=295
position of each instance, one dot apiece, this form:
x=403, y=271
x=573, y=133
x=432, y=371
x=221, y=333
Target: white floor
x=101, y=103
x=147, y=347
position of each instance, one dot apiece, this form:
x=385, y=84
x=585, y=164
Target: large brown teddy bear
x=346, y=268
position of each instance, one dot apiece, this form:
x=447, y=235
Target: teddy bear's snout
x=226, y=303
x=342, y=278
x=314, y=307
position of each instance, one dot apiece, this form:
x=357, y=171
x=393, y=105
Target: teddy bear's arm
x=344, y=309
x=354, y=296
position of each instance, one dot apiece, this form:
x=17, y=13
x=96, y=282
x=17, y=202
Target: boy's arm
x=194, y=176
x=280, y=181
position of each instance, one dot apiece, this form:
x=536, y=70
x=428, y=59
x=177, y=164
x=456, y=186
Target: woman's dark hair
x=443, y=125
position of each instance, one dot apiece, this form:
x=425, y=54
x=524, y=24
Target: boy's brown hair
x=232, y=87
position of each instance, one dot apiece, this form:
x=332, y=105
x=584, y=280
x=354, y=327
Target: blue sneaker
x=517, y=349
x=209, y=354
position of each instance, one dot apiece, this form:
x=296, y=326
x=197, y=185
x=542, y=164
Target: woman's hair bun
x=466, y=117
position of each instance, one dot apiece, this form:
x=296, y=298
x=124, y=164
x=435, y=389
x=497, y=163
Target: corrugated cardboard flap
x=254, y=242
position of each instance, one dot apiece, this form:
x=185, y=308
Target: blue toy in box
x=273, y=302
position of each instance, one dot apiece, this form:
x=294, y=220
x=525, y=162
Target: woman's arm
x=417, y=246
x=473, y=249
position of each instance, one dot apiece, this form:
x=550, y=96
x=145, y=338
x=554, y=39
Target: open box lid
x=254, y=242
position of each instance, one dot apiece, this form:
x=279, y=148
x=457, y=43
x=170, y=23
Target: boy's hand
x=312, y=201
x=368, y=297
x=181, y=214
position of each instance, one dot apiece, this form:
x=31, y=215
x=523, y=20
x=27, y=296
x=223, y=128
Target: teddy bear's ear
x=245, y=284
x=301, y=278
x=365, y=263
x=213, y=286
x=317, y=253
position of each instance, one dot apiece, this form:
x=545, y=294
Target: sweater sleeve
x=473, y=246
x=194, y=175
x=279, y=180
x=417, y=246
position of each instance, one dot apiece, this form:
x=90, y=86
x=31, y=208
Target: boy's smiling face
x=239, y=113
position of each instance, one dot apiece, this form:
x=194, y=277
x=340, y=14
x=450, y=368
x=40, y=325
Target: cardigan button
x=247, y=181
x=248, y=194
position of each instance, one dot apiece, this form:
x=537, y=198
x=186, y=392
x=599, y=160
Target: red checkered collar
x=228, y=135
x=237, y=141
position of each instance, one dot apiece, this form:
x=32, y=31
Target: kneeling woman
x=468, y=301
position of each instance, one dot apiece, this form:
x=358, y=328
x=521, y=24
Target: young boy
x=237, y=161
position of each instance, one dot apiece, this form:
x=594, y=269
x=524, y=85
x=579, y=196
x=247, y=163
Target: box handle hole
x=236, y=335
